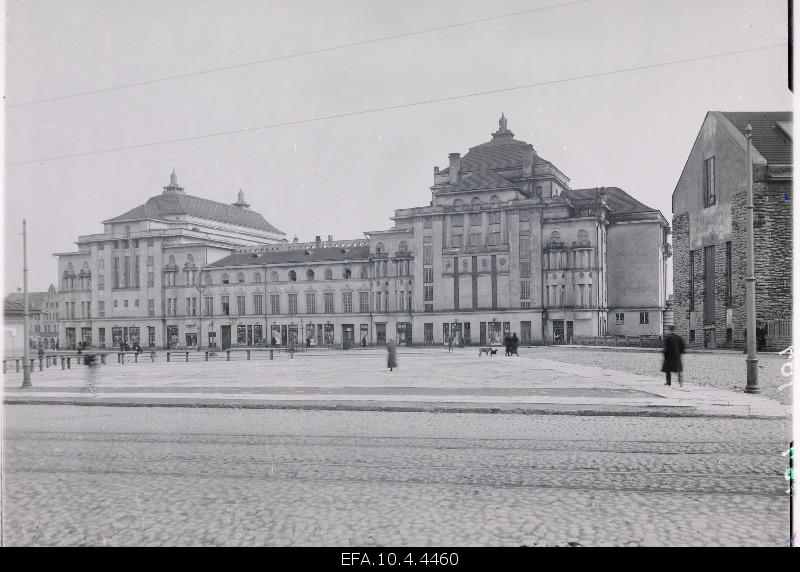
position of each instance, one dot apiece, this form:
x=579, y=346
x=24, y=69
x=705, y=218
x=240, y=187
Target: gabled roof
x=296, y=256
x=769, y=137
x=478, y=180
x=617, y=200
x=14, y=303
x=160, y=206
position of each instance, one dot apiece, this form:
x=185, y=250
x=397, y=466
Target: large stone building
x=42, y=318
x=709, y=226
x=504, y=246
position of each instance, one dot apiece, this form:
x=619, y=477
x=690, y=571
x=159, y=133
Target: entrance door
x=191, y=340
x=558, y=331
x=284, y=335
x=226, y=337
x=380, y=332
x=348, y=336
x=525, y=332
x=569, y=332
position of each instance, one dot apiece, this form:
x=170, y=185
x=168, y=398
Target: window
x=275, y=303
x=257, y=277
x=644, y=317
x=328, y=299
x=309, y=274
x=524, y=243
x=151, y=308
x=209, y=306
x=149, y=242
x=292, y=276
x=538, y=192
x=457, y=241
x=475, y=239
x=125, y=303
x=273, y=276
x=524, y=268
x=494, y=238
x=101, y=309
x=101, y=282
x=457, y=220
x=525, y=289
x=226, y=306
x=494, y=201
x=116, y=302
x=428, y=293
x=363, y=302
x=258, y=304
x=240, y=277
x=427, y=254
x=476, y=203
x=475, y=219
x=457, y=203
x=311, y=303
x=403, y=246
x=136, y=243
x=101, y=263
x=292, y=304
x=691, y=335
x=619, y=318
x=346, y=273
x=555, y=237
x=136, y=302
x=100, y=246
x=379, y=248
x=347, y=302
x=328, y=274
x=151, y=279
x=523, y=216
x=241, y=307
x=709, y=190
x=362, y=273
x=226, y=279
x=427, y=222
x=427, y=275
x=494, y=218
x=193, y=307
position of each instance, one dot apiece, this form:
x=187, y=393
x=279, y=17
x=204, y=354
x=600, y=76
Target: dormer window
x=226, y=279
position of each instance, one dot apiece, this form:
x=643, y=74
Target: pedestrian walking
x=514, y=344
x=673, y=349
x=507, y=343
x=391, y=347
x=364, y=342
x=450, y=344
x=90, y=361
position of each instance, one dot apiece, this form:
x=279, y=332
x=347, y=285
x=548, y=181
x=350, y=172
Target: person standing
x=514, y=344
x=450, y=344
x=507, y=343
x=673, y=349
x=391, y=347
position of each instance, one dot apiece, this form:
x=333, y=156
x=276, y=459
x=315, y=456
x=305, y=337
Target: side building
x=710, y=252
x=124, y=284
x=43, y=321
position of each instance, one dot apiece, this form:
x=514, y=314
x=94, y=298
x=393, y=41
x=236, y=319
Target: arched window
x=494, y=200
x=292, y=275
x=309, y=274
x=240, y=277
x=379, y=247
x=273, y=276
x=328, y=274
x=583, y=236
x=555, y=238
x=362, y=273
x=225, y=279
x=346, y=273
x=458, y=203
x=403, y=246
x=476, y=203
x=257, y=277
x=207, y=278
x=171, y=259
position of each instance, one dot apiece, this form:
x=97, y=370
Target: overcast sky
x=345, y=176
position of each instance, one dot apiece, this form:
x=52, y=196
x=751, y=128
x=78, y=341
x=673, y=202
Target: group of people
x=456, y=340
x=512, y=344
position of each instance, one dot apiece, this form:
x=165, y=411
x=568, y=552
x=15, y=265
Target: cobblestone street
x=149, y=476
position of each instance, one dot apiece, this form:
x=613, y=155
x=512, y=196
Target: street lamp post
x=26, y=326
x=750, y=280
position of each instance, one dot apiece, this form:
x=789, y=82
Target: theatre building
x=505, y=246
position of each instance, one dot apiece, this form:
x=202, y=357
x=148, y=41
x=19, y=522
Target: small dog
x=487, y=351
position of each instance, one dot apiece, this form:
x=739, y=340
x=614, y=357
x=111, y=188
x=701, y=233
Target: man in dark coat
x=673, y=349
x=507, y=343
x=514, y=344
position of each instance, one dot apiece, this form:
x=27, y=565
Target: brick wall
x=680, y=273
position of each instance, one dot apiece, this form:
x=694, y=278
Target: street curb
x=688, y=411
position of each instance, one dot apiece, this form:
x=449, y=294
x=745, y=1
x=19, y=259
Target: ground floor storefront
x=339, y=330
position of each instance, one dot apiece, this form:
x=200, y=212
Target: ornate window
x=292, y=276
x=494, y=200
x=328, y=274
x=225, y=279
x=476, y=203
x=583, y=236
x=346, y=273
x=555, y=237
x=257, y=278
x=171, y=259
x=240, y=277
x=362, y=272
x=458, y=203
x=403, y=246
x=379, y=248
x=309, y=274
x=273, y=276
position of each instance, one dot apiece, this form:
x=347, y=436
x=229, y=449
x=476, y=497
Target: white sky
x=345, y=176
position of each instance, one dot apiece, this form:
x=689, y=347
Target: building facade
x=710, y=263
x=505, y=246
x=43, y=321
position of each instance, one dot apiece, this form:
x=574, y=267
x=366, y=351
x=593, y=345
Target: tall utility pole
x=26, y=362
x=750, y=280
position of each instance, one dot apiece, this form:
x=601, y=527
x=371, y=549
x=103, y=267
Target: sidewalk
x=436, y=381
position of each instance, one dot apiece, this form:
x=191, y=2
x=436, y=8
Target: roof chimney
x=455, y=166
x=318, y=241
